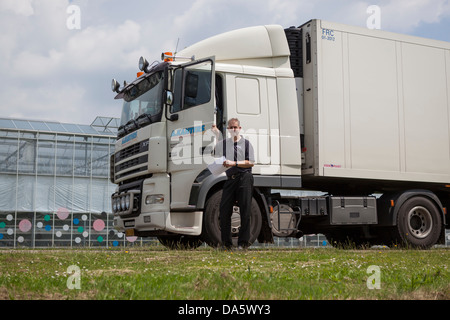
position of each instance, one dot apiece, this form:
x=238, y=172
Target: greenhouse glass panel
x=81, y=195
x=46, y=157
x=101, y=202
x=8, y=154
x=63, y=192
x=64, y=158
x=45, y=194
x=100, y=160
x=27, y=156
x=25, y=192
x=8, y=192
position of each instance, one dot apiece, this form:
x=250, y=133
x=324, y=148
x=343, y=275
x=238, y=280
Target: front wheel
x=211, y=233
x=419, y=223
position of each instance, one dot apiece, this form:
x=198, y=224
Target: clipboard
x=217, y=167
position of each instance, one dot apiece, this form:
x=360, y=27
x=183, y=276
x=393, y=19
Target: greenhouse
x=54, y=183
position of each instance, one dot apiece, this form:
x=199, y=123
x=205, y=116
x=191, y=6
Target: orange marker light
x=167, y=56
x=140, y=74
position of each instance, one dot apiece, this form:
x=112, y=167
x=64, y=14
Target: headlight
x=115, y=86
x=122, y=203
x=114, y=205
x=154, y=199
x=127, y=201
x=143, y=64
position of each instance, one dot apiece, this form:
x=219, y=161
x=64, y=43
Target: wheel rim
x=420, y=222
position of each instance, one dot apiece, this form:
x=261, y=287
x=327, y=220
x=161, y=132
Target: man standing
x=239, y=158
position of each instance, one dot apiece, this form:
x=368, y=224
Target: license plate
x=129, y=232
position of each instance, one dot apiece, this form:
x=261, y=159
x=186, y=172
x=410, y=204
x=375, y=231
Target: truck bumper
x=187, y=223
x=144, y=209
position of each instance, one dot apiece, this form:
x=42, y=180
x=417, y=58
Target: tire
x=180, y=242
x=211, y=228
x=419, y=223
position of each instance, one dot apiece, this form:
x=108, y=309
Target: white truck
x=360, y=116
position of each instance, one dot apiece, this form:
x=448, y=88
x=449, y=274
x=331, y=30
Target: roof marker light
x=167, y=56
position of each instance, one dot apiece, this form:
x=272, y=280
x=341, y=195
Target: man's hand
x=229, y=163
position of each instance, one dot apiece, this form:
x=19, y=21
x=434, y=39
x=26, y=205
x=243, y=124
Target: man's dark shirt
x=236, y=151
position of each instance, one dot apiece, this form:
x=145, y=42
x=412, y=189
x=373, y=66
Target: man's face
x=234, y=128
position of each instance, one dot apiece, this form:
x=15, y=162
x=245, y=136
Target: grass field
x=208, y=274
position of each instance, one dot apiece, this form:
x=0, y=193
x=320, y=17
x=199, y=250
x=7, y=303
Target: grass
x=208, y=274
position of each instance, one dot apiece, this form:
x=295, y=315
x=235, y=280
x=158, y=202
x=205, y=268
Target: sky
x=57, y=57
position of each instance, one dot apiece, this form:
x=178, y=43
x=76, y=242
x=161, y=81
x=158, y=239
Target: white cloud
x=46, y=101
x=22, y=7
x=406, y=15
x=95, y=48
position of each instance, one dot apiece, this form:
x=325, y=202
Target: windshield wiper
x=144, y=115
x=131, y=121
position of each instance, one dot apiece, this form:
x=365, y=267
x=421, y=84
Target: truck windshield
x=144, y=100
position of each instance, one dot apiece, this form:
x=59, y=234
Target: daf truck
x=358, y=119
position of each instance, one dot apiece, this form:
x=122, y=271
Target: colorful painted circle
x=100, y=239
x=62, y=213
x=2, y=225
x=47, y=217
x=132, y=239
x=99, y=225
x=25, y=225
x=76, y=221
x=48, y=227
x=115, y=243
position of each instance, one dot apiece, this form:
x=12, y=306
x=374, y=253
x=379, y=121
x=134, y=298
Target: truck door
x=189, y=120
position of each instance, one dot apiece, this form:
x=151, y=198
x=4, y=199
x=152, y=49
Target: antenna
x=176, y=48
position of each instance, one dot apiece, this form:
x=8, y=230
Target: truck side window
x=192, y=86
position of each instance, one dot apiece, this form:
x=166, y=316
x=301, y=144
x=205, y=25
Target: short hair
x=234, y=120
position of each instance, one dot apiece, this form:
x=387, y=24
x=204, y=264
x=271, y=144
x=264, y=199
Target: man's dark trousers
x=239, y=188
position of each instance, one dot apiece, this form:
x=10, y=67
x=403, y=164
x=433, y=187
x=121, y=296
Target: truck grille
x=131, y=163
x=130, y=151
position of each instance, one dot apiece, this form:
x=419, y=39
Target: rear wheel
x=211, y=233
x=419, y=223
